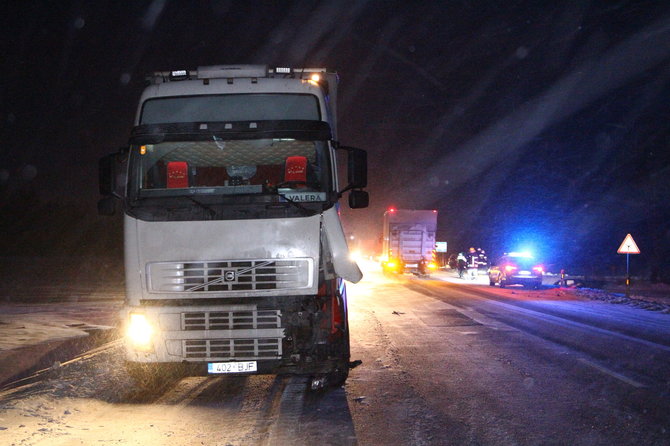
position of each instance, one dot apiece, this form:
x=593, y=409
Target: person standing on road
x=462, y=264
x=453, y=262
x=473, y=263
x=482, y=260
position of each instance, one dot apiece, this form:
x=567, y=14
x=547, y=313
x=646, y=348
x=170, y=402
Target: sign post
x=440, y=246
x=628, y=247
x=441, y=252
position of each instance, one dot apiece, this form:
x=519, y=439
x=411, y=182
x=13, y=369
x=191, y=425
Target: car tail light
x=538, y=269
x=510, y=268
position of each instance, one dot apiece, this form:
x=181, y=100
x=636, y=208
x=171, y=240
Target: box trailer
x=408, y=241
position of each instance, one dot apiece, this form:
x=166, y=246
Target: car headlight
x=140, y=332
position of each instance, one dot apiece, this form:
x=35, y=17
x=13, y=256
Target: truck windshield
x=294, y=169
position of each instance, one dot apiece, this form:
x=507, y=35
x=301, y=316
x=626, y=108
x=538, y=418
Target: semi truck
x=235, y=256
x=408, y=241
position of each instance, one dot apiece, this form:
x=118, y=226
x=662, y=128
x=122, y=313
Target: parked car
x=516, y=269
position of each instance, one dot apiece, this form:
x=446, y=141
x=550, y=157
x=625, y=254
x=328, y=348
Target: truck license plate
x=232, y=367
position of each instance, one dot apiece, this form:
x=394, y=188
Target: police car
x=516, y=268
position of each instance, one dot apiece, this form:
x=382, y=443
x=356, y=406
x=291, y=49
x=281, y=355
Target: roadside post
x=441, y=251
x=628, y=247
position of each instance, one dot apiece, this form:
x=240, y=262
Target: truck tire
x=338, y=377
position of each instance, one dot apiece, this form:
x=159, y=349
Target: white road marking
x=568, y=322
x=612, y=373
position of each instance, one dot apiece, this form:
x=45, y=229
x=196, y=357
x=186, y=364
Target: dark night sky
x=520, y=122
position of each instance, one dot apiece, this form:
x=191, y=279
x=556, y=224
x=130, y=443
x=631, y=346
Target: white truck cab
x=235, y=256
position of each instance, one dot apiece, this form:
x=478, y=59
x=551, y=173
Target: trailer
x=408, y=241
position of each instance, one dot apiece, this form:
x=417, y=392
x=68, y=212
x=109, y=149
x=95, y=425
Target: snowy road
x=443, y=363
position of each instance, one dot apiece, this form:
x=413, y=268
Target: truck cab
x=235, y=256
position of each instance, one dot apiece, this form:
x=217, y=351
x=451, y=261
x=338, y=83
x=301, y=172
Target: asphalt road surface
x=443, y=362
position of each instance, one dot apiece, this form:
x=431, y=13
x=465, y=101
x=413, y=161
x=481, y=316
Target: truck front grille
x=231, y=320
x=229, y=276
x=239, y=349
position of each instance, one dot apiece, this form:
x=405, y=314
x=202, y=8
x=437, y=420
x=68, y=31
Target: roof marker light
x=231, y=71
x=177, y=75
x=314, y=79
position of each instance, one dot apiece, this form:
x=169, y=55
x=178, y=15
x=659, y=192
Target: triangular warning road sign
x=628, y=246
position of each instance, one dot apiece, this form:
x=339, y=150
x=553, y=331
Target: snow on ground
x=29, y=324
x=653, y=297
x=34, y=336
x=73, y=402
x=23, y=325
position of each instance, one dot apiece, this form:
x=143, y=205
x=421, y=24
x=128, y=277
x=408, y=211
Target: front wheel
x=338, y=377
x=341, y=353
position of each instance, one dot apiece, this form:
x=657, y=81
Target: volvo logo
x=229, y=276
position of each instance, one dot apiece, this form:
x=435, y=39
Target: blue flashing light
x=525, y=254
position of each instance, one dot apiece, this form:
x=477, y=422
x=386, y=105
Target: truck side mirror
x=112, y=173
x=358, y=199
x=107, y=205
x=111, y=180
x=357, y=168
x=106, y=174
x=357, y=174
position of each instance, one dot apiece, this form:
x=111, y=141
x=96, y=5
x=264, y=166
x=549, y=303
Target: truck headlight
x=139, y=331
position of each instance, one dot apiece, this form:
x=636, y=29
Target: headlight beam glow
x=140, y=331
